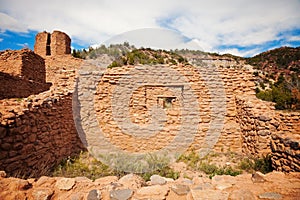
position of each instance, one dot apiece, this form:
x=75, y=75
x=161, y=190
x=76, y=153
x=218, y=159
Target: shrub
x=262, y=164
x=165, y=172
x=212, y=170
x=83, y=165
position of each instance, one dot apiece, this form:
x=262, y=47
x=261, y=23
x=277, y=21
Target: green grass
x=262, y=164
x=86, y=165
x=239, y=163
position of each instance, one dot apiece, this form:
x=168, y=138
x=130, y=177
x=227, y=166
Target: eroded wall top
x=57, y=43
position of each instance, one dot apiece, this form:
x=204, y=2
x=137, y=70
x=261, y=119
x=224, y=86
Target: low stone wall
x=38, y=132
x=285, y=153
x=266, y=131
x=20, y=88
x=258, y=122
x=34, y=141
x=285, y=144
x=22, y=73
x=24, y=64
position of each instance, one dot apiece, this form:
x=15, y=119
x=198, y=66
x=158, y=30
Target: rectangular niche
x=166, y=102
x=163, y=95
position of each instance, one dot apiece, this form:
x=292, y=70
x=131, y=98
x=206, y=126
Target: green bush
x=212, y=170
x=164, y=172
x=262, y=164
x=83, y=165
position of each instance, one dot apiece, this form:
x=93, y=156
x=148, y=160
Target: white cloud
x=294, y=38
x=213, y=23
x=23, y=45
x=243, y=53
x=1, y=39
x=148, y=37
x=9, y=23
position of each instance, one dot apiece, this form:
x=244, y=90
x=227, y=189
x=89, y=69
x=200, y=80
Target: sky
x=239, y=27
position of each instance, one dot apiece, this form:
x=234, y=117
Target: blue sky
x=240, y=27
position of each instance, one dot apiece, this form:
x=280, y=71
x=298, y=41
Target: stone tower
x=47, y=44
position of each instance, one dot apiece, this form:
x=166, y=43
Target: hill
x=278, y=76
x=283, y=59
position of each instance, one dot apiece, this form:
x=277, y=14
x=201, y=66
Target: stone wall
x=285, y=153
x=258, y=122
x=33, y=142
x=205, y=82
x=24, y=64
x=57, y=43
x=22, y=73
x=37, y=132
x=285, y=143
x=40, y=45
x=60, y=43
x=266, y=131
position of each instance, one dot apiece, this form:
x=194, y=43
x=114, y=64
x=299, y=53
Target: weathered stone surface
x=258, y=177
x=209, y=194
x=157, y=180
x=278, y=184
x=105, y=180
x=65, y=183
x=94, y=195
x=131, y=181
x=180, y=189
x=158, y=192
x=123, y=194
x=2, y=174
x=45, y=181
x=270, y=195
x=242, y=194
x=42, y=194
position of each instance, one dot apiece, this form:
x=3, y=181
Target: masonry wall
x=33, y=142
x=236, y=81
x=23, y=63
x=38, y=131
x=258, y=122
x=285, y=143
x=60, y=43
x=41, y=43
x=285, y=153
x=266, y=131
x=22, y=73
x=56, y=43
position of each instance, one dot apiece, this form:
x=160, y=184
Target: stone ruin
x=22, y=73
x=52, y=44
x=38, y=132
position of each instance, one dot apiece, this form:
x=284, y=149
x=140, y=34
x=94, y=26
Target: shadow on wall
x=18, y=87
x=36, y=141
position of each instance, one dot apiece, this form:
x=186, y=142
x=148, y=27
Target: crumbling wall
x=23, y=63
x=60, y=43
x=266, y=131
x=285, y=143
x=258, y=122
x=38, y=131
x=57, y=43
x=22, y=73
x=34, y=140
x=40, y=45
x=236, y=81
